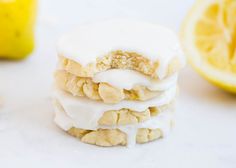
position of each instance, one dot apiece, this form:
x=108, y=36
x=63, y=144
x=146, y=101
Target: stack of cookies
x=116, y=82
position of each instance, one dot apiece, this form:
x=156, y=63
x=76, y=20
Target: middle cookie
x=89, y=114
x=115, y=85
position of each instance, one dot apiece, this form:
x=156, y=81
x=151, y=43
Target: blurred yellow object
x=208, y=37
x=17, y=21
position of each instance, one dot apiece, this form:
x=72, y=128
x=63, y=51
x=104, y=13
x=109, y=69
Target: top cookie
x=148, y=48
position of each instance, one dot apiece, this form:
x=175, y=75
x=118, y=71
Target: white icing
x=127, y=79
x=62, y=120
x=162, y=121
x=88, y=42
x=87, y=112
x=131, y=133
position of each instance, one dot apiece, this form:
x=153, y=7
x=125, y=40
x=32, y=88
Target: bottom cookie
x=114, y=137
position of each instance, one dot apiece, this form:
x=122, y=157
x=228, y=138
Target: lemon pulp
x=209, y=39
x=215, y=35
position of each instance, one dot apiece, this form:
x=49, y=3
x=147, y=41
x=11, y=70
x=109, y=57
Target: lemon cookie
x=102, y=135
x=105, y=86
x=113, y=137
x=91, y=114
x=121, y=44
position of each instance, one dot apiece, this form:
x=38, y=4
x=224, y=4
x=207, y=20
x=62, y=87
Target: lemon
x=208, y=36
x=17, y=21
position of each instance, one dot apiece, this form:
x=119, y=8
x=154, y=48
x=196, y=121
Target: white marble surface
x=205, y=133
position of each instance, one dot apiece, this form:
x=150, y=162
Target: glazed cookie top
x=90, y=42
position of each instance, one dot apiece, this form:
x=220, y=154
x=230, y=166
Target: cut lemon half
x=208, y=36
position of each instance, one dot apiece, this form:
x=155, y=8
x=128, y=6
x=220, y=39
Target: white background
x=205, y=133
